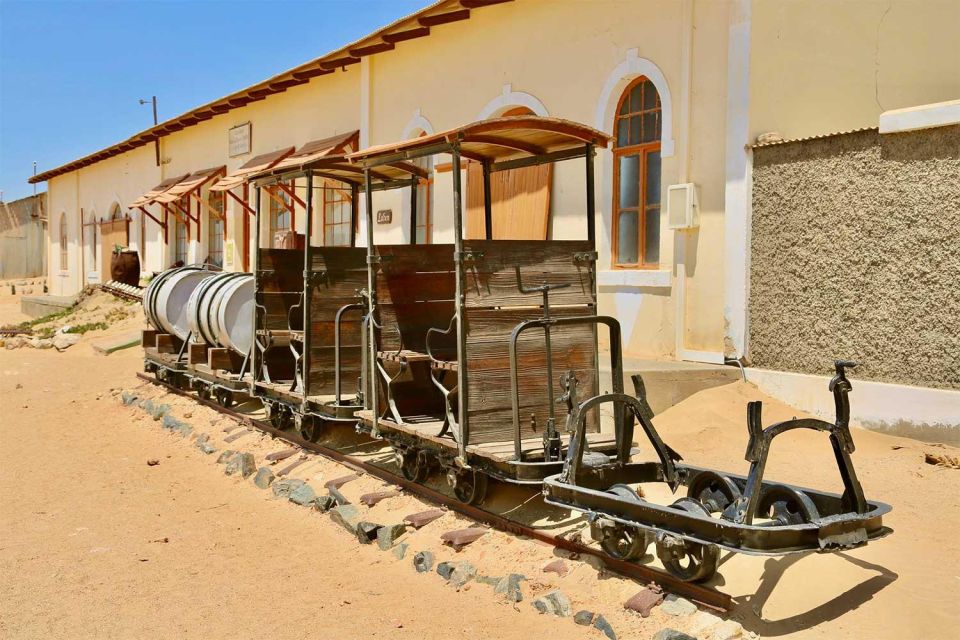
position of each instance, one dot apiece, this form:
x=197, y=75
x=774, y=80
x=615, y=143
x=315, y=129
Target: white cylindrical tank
x=234, y=326
x=165, y=301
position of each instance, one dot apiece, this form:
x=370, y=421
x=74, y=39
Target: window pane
x=625, y=105
x=634, y=129
x=629, y=181
x=623, y=129
x=653, y=178
x=651, y=240
x=651, y=126
x=636, y=97
x=649, y=96
x=627, y=237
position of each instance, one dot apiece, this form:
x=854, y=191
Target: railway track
x=703, y=595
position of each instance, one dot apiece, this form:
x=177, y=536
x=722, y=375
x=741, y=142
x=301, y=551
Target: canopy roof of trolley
x=502, y=143
x=327, y=158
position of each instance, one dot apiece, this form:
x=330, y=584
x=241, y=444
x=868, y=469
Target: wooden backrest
x=280, y=273
x=341, y=273
x=495, y=305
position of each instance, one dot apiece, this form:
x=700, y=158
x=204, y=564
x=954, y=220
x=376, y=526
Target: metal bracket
x=581, y=257
x=468, y=256
x=314, y=278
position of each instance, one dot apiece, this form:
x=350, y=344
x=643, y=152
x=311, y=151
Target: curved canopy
x=494, y=141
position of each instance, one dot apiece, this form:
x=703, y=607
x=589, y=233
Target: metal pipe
x=354, y=194
x=591, y=204
x=336, y=347
x=307, y=290
x=487, y=204
x=413, y=213
x=371, y=299
x=254, y=368
x=462, y=390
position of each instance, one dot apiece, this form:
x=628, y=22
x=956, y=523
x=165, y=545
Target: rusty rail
x=698, y=593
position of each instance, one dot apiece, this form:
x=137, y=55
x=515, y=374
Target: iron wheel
x=471, y=486
x=714, y=491
x=687, y=560
x=413, y=465
x=786, y=506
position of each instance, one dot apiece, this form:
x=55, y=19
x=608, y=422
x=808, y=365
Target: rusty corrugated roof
x=813, y=137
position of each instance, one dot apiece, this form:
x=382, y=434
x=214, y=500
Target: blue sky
x=71, y=73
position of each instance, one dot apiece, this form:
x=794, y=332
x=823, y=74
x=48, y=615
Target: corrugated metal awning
x=256, y=164
x=315, y=150
x=194, y=181
x=151, y=196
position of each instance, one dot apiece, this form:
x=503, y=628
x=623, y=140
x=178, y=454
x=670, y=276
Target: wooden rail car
x=469, y=340
x=307, y=359
x=213, y=372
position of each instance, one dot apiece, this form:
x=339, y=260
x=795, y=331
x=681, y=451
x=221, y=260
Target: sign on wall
x=229, y=248
x=239, y=139
x=385, y=216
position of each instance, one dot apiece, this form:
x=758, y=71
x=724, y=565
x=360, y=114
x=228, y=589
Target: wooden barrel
x=125, y=267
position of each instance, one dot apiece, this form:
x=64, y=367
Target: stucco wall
x=22, y=237
x=855, y=254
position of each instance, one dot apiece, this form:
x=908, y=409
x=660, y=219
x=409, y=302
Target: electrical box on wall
x=683, y=208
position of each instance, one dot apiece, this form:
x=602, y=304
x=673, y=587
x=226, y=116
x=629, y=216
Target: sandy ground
x=96, y=543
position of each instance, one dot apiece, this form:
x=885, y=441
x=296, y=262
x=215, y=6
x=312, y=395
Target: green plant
x=87, y=326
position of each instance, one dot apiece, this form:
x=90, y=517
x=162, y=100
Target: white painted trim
x=364, y=141
x=932, y=414
x=416, y=123
x=621, y=75
x=634, y=278
x=509, y=98
x=737, y=205
x=939, y=114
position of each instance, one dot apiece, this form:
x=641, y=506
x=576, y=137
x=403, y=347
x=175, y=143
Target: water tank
x=220, y=312
x=165, y=300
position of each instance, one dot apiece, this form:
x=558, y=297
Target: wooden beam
x=409, y=34
x=163, y=225
x=507, y=143
x=444, y=18
x=283, y=203
x=306, y=74
x=285, y=84
x=473, y=4
x=287, y=189
x=371, y=49
x=339, y=62
x=247, y=209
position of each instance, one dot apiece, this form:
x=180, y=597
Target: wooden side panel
x=488, y=382
x=197, y=353
x=492, y=278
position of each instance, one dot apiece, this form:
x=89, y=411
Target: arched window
x=63, y=242
x=217, y=204
x=636, y=179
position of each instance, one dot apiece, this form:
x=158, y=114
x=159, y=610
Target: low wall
x=22, y=244
x=855, y=254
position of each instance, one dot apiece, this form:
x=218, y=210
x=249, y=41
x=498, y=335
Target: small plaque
x=229, y=248
x=239, y=141
x=385, y=216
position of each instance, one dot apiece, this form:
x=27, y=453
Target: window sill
x=635, y=278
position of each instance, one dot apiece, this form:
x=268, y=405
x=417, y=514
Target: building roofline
x=415, y=25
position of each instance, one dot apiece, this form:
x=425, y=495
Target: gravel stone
x=324, y=503
x=241, y=464
x=302, y=495
x=128, y=398
x=674, y=605
x=400, y=551
x=728, y=630
x=583, y=617
x=206, y=447
x=509, y=586
x=703, y=621
x=264, y=478
x=347, y=516
x=445, y=569
x=63, y=341
x=282, y=488
x=224, y=457
x=367, y=531
x=553, y=602
x=423, y=561
x=387, y=535
x=493, y=581
x=672, y=634
x=463, y=572
x=601, y=625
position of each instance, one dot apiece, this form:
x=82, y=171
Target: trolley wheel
x=413, y=465
x=203, y=392
x=623, y=542
x=224, y=398
x=786, y=506
x=469, y=485
x=307, y=426
x=713, y=491
x=690, y=561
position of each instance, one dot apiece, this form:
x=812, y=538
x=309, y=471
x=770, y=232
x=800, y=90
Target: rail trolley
x=307, y=358
x=467, y=340
x=199, y=336
x=744, y=514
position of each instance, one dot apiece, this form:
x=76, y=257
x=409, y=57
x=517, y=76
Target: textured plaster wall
x=856, y=254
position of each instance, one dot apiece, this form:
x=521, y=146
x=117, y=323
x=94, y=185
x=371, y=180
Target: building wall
x=23, y=237
x=854, y=255
x=573, y=60
x=819, y=66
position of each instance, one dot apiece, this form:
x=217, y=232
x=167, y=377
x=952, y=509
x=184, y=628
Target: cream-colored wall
x=819, y=66
x=562, y=54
